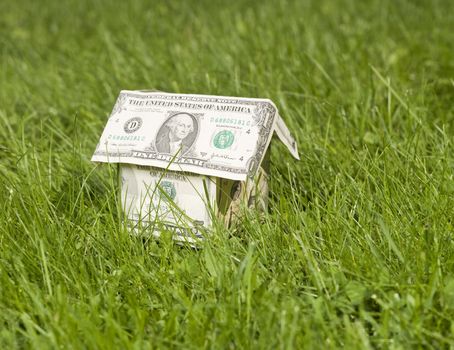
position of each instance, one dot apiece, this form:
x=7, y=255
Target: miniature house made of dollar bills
x=185, y=159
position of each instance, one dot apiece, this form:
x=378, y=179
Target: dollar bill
x=209, y=135
x=155, y=200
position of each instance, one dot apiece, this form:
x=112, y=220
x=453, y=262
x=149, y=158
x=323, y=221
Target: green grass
x=357, y=250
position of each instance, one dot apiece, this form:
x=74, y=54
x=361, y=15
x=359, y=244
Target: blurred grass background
x=357, y=250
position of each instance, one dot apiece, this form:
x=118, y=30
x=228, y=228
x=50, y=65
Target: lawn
x=357, y=249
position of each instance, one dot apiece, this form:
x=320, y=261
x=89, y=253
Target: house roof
x=210, y=135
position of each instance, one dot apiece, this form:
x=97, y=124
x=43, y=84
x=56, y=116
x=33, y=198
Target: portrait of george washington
x=177, y=134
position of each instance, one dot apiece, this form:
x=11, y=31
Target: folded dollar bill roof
x=210, y=135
